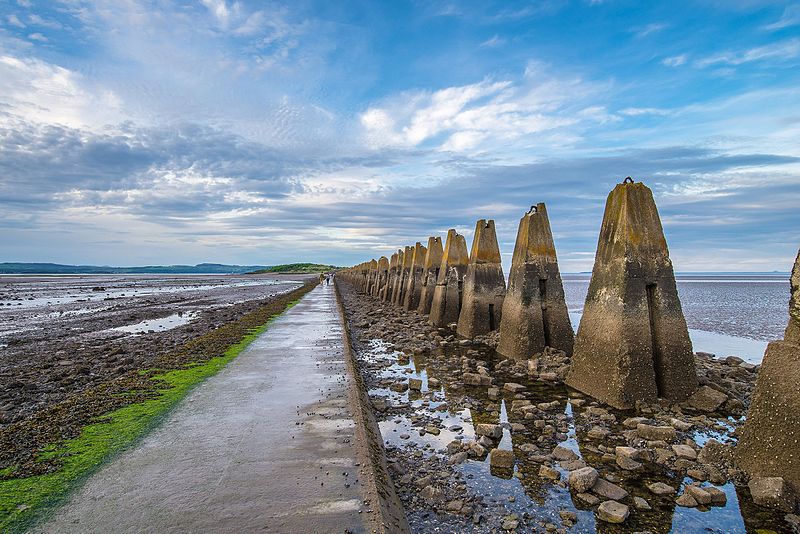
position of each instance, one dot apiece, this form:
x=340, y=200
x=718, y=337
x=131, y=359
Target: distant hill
x=56, y=268
x=297, y=268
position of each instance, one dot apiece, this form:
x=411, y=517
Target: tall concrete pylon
x=484, y=284
x=769, y=443
x=534, y=310
x=402, y=276
x=447, y=295
x=430, y=274
x=389, y=289
x=372, y=276
x=383, y=274
x=414, y=284
x=632, y=343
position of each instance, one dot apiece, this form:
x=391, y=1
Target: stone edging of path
x=378, y=485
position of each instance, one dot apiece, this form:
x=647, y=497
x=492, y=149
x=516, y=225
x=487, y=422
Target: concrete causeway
x=267, y=445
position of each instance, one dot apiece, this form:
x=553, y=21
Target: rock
x=582, y=480
x=432, y=494
x=686, y=500
x=415, y=384
x=548, y=472
x=514, y=387
x=474, y=379
x=434, y=383
x=718, y=497
x=597, y=432
x=683, y=426
x=488, y=430
x=563, y=453
x=430, y=429
x=633, y=422
x=699, y=494
x=510, y=522
x=455, y=506
x=533, y=367
x=641, y=504
x=772, y=492
x=458, y=458
x=548, y=377
x=568, y=517
x=685, y=451
x=707, y=399
x=607, y=490
x=493, y=393
x=656, y=433
x=612, y=512
x=588, y=498
x=501, y=458
x=659, y=488
x=399, y=387
x=625, y=458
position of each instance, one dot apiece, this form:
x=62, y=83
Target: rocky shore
x=481, y=443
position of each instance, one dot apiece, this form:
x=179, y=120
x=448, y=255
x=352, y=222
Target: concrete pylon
x=402, y=276
x=372, y=276
x=447, y=295
x=769, y=444
x=383, y=274
x=414, y=284
x=534, y=310
x=632, y=343
x=484, y=284
x=430, y=274
x=389, y=289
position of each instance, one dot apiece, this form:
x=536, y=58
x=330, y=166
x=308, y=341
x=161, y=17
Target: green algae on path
x=25, y=499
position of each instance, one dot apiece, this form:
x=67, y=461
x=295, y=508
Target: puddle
x=456, y=408
x=156, y=325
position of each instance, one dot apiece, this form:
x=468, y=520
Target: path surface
x=266, y=445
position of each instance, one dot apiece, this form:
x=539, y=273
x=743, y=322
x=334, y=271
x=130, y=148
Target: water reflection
x=444, y=409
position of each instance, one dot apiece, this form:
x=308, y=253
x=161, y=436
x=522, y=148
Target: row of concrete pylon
x=632, y=344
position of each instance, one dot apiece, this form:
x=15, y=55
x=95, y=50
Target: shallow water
x=457, y=408
x=157, y=325
x=726, y=314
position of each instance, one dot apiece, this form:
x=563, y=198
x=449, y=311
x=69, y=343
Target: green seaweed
x=24, y=500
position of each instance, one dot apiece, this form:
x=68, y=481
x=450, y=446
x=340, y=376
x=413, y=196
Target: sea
x=728, y=314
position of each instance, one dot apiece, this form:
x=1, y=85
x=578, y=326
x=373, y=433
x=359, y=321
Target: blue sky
x=176, y=131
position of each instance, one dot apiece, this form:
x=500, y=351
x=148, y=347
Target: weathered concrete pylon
x=534, y=310
x=484, y=284
x=383, y=275
x=769, y=444
x=414, y=284
x=632, y=343
x=393, y=263
x=372, y=276
x=402, y=276
x=447, y=295
x=430, y=274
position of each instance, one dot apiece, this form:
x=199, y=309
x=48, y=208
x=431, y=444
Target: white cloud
x=674, y=61
x=635, y=112
x=37, y=37
x=42, y=92
x=790, y=17
x=480, y=115
x=13, y=20
x=493, y=42
x=651, y=28
x=783, y=50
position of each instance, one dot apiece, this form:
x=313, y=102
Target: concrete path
x=266, y=445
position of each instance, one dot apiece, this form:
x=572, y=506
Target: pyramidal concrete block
x=769, y=444
x=534, y=310
x=484, y=284
x=414, y=284
x=632, y=343
x=447, y=294
x=391, y=277
x=402, y=276
x=430, y=274
x=383, y=273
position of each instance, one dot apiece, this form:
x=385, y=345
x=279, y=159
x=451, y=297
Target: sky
x=173, y=131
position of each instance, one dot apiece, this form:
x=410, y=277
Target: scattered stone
x=641, y=504
x=582, y=480
x=488, y=430
x=432, y=494
x=563, y=453
x=718, y=497
x=415, y=384
x=625, y=458
x=685, y=451
x=501, y=458
x=699, y=494
x=656, y=433
x=659, y=488
x=588, y=498
x=514, y=387
x=707, y=399
x=607, y=490
x=686, y=500
x=548, y=472
x=612, y=512
x=597, y=432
